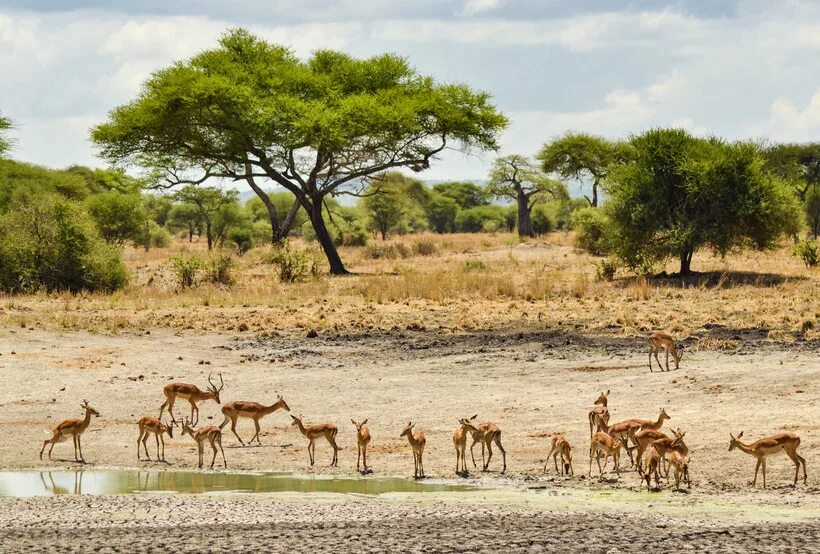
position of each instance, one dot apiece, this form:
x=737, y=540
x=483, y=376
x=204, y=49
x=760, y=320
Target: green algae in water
x=97, y=482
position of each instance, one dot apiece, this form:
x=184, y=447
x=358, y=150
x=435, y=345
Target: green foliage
x=242, y=238
x=442, y=212
x=465, y=194
x=386, y=204
x=605, y=269
x=187, y=267
x=806, y=250
x=293, y=265
x=481, y=218
x=543, y=218
x=119, y=217
x=158, y=237
x=474, y=265
x=424, y=247
x=214, y=206
x=50, y=243
x=5, y=140
x=158, y=207
x=219, y=268
x=185, y=217
x=20, y=182
x=593, y=231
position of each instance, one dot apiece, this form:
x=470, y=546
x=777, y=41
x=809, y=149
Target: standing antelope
x=651, y=466
x=663, y=443
x=627, y=429
x=73, y=427
x=560, y=445
x=680, y=464
x=769, y=446
x=210, y=433
x=603, y=443
x=153, y=425
x=488, y=433
x=313, y=432
x=600, y=412
x=417, y=443
x=362, y=439
x=251, y=410
x=662, y=340
x=460, y=442
x=192, y=394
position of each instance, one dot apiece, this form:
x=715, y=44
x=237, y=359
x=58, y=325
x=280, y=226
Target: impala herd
x=656, y=453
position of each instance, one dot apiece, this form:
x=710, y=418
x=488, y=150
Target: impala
x=626, y=430
x=663, y=443
x=680, y=464
x=465, y=425
x=192, y=394
x=210, y=433
x=362, y=440
x=251, y=410
x=313, y=432
x=73, y=427
x=651, y=466
x=417, y=442
x=603, y=443
x=560, y=445
x=662, y=340
x=154, y=426
x=488, y=433
x=600, y=412
x=769, y=446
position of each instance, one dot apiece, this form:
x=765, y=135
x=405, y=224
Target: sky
x=731, y=68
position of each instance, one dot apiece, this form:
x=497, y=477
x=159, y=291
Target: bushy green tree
x=208, y=201
x=19, y=181
x=120, y=217
x=489, y=218
x=593, y=230
x=800, y=165
x=185, y=217
x=442, y=212
x=465, y=194
x=386, y=203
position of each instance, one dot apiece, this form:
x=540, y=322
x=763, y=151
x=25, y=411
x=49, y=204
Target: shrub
x=158, y=237
x=187, y=267
x=543, y=218
x=293, y=265
x=605, y=270
x=120, y=217
x=592, y=231
x=474, y=265
x=806, y=250
x=219, y=268
x=387, y=251
x=242, y=238
x=424, y=247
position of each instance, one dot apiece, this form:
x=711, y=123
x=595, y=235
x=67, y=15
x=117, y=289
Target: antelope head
x=408, y=429
x=734, y=442
x=214, y=389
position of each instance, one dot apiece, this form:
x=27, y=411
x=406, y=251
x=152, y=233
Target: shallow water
x=96, y=482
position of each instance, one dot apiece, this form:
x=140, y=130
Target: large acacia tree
x=517, y=178
x=252, y=110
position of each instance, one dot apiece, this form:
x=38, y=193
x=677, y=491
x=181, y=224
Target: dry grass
x=470, y=281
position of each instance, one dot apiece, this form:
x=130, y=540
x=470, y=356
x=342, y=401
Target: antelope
x=662, y=340
x=769, y=446
x=210, y=433
x=73, y=427
x=600, y=411
x=662, y=441
x=604, y=443
x=626, y=429
x=313, y=432
x=152, y=425
x=680, y=464
x=488, y=433
x=362, y=439
x=417, y=442
x=192, y=394
x=251, y=410
x=560, y=445
x=651, y=466
x=460, y=442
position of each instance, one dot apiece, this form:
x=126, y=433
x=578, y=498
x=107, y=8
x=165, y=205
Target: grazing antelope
x=362, y=439
x=417, y=442
x=603, y=443
x=313, y=432
x=651, y=466
x=663, y=443
x=152, y=425
x=210, y=433
x=488, y=433
x=73, y=427
x=560, y=445
x=460, y=442
x=680, y=464
x=600, y=412
x=251, y=410
x=662, y=340
x=769, y=446
x=627, y=429
x=192, y=394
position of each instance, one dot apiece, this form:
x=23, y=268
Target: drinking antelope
x=362, y=439
x=210, y=433
x=769, y=446
x=153, y=425
x=417, y=442
x=73, y=427
x=251, y=410
x=560, y=445
x=460, y=442
x=651, y=466
x=192, y=394
x=313, y=432
x=488, y=433
x=662, y=340
x=599, y=412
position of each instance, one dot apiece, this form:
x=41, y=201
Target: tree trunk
x=276, y=228
x=287, y=224
x=208, y=234
x=594, y=201
x=524, y=222
x=686, y=261
x=324, y=238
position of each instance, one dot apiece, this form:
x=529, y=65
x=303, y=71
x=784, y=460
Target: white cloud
x=475, y=7
x=791, y=122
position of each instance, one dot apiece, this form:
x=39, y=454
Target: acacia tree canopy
x=251, y=109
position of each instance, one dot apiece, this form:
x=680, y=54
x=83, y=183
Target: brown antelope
x=488, y=433
x=210, y=433
x=662, y=340
x=313, y=432
x=152, y=425
x=651, y=466
x=603, y=443
x=769, y=446
x=626, y=430
x=663, y=443
x=73, y=427
x=362, y=439
x=251, y=410
x=417, y=442
x=460, y=442
x=680, y=464
x=560, y=445
x=192, y=394
x=600, y=411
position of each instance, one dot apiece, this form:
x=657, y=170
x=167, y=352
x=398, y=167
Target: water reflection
x=95, y=482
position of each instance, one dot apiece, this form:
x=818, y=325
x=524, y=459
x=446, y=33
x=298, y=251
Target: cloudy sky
x=732, y=68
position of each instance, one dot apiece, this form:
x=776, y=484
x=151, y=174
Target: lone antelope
x=313, y=432
x=769, y=446
x=192, y=394
x=73, y=427
x=362, y=440
x=417, y=442
x=460, y=442
x=488, y=433
x=154, y=426
x=662, y=340
x=210, y=433
x=251, y=410
x=560, y=445
x=600, y=412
